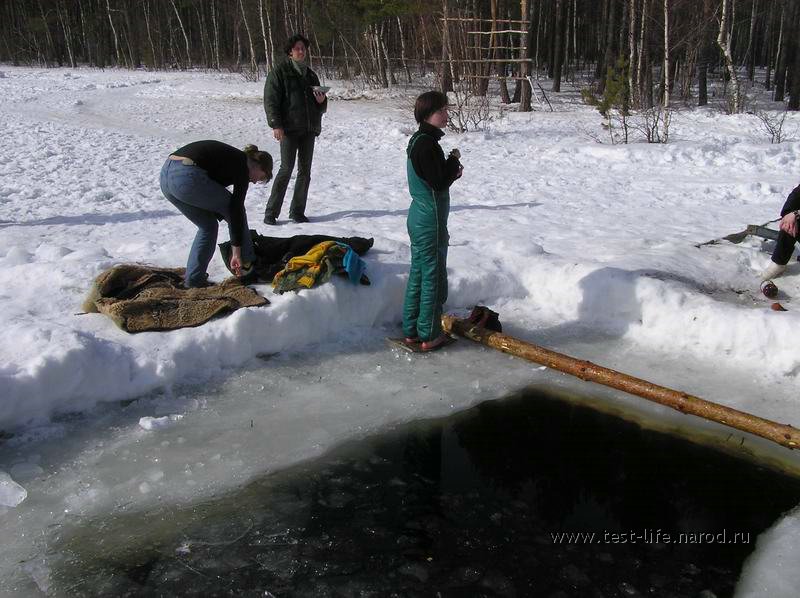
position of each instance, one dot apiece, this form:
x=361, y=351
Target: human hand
x=236, y=260
x=319, y=96
x=789, y=224
x=277, y=134
x=455, y=153
x=460, y=172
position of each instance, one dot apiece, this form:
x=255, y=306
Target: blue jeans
x=201, y=200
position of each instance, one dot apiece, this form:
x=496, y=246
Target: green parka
x=289, y=101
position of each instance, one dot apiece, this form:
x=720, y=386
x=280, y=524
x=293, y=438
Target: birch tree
x=724, y=42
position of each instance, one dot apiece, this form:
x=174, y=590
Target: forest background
x=624, y=54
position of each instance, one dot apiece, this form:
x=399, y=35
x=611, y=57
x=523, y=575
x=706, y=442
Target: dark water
x=469, y=505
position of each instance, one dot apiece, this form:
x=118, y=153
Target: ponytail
x=263, y=159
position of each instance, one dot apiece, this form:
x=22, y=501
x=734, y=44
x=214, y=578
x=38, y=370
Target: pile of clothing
x=304, y=261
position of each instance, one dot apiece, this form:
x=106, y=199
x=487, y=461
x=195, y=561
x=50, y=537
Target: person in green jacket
x=294, y=104
x=429, y=178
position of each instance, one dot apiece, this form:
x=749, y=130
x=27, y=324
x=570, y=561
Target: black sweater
x=428, y=159
x=227, y=166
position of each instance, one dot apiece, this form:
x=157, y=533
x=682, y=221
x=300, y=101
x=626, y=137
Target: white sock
x=772, y=271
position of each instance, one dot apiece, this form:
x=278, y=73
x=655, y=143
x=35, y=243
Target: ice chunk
x=11, y=493
x=159, y=423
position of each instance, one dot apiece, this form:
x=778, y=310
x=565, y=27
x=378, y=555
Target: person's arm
x=429, y=163
x=792, y=202
x=237, y=210
x=273, y=95
x=321, y=98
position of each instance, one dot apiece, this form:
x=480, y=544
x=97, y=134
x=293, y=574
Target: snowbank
x=585, y=236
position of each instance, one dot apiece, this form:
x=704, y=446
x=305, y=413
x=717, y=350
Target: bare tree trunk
x=150, y=34
x=538, y=32
x=114, y=32
x=183, y=31
x=793, y=65
x=253, y=60
x=783, y=48
x=127, y=32
x=65, y=26
x=557, y=48
x=750, y=54
x=382, y=48
x=494, y=42
x=666, y=56
x=378, y=56
x=267, y=40
x=525, y=65
x=403, y=50
x=705, y=56
x=203, y=30
x=86, y=45
x=768, y=47
x=724, y=42
x=608, y=55
x=645, y=91
x=50, y=49
x=215, y=45
x=288, y=24
x=633, y=82
x=446, y=76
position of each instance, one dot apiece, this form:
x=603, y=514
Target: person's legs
x=289, y=145
x=204, y=245
x=411, y=301
x=784, y=247
x=200, y=199
x=305, y=154
x=432, y=284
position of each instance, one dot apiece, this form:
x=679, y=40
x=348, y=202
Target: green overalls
x=426, y=291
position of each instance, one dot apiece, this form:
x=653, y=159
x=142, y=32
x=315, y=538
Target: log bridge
x=782, y=434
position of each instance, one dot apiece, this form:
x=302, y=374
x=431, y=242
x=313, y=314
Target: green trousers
x=426, y=290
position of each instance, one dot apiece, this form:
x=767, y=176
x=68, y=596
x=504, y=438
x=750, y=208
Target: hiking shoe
x=772, y=271
x=271, y=220
x=440, y=341
x=299, y=219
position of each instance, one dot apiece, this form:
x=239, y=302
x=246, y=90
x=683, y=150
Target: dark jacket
x=792, y=202
x=428, y=159
x=289, y=101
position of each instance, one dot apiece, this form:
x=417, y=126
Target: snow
x=772, y=569
x=586, y=248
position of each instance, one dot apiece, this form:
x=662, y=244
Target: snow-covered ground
x=583, y=247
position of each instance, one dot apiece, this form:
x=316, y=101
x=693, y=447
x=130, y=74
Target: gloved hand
x=455, y=153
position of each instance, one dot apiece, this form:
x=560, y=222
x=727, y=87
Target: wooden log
x=782, y=434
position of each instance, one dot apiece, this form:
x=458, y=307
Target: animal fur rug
x=139, y=298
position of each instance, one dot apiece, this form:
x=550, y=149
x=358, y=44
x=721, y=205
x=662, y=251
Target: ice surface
x=11, y=493
x=580, y=246
x=159, y=423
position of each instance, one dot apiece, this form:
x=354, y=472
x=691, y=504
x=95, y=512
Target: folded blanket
x=139, y=298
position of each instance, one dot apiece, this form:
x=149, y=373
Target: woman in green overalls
x=429, y=178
